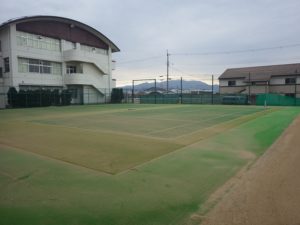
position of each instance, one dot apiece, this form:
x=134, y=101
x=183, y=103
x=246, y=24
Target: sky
x=203, y=37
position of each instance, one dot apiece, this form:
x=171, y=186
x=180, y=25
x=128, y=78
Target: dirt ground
x=269, y=192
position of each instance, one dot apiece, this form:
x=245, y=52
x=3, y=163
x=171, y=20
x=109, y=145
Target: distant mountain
x=175, y=84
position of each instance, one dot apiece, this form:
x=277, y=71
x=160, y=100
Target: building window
x=71, y=69
x=37, y=41
x=39, y=66
x=231, y=83
x=45, y=67
x=290, y=80
x=33, y=66
x=87, y=48
x=0, y=46
x=1, y=72
x=6, y=65
x=290, y=95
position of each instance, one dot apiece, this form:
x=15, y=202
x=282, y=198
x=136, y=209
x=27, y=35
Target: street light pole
x=168, y=64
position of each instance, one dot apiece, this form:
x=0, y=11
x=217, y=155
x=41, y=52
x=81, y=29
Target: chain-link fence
x=192, y=98
x=20, y=97
x=13, y=97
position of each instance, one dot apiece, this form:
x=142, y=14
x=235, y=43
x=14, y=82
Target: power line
x=238, y=51
x=202, y=77
x=141, y=60
x=211, y=53
x=189, y=74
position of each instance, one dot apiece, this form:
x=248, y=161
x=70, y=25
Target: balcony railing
x=99, y=60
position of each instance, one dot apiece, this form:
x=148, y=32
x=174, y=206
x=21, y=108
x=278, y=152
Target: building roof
x=261, y=73
x=68, y=21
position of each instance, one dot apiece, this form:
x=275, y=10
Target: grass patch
x=166, y=190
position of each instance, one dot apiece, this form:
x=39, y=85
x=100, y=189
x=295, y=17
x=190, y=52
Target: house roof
x=62, y=20
x=261, y=73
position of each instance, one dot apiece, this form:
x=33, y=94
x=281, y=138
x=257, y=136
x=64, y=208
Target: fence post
x=40, y=96
x=181, y=90
x=10, y=98
x=26, y=99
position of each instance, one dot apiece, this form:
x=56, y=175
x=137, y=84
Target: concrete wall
x=92, y=96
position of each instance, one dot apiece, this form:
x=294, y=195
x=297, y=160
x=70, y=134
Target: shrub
x=117, y=95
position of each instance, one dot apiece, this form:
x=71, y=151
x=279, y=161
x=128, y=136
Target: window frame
x=38, y=41
x=71, y=69
x=290, y=80
x=6, y=65
x=28, y=65
x=290, y=95
x=231, y=83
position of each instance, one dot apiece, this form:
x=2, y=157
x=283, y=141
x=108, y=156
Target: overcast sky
x=189, y=29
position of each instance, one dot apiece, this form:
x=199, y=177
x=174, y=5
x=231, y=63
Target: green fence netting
x=276, y=100
x=194, y=99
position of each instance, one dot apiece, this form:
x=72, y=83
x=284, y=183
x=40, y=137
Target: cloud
x=143, y=29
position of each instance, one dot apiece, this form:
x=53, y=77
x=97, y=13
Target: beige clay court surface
x=268, y=193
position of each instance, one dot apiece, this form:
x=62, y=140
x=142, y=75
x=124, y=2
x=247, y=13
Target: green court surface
x=125, y=164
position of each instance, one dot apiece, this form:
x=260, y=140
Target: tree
x=117, y=95
x=12, y=96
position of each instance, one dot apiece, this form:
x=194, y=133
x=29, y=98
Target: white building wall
x=33, y=53
x=280, y=80
x=3, y=96
x=67, y=45
x=99, y=60
x=95, y=77
x=114, y=83
x=238, y=82
x=6, y=52
x=6, y=80
x=92, y=96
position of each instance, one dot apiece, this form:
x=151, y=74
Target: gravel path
x=269, y=192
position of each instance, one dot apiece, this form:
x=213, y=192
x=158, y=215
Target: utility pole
x=249, y=91
x=155, y=89
x=168, y=64
x=295, y=97
x=212, y=89
x=266, y=91
x=180, y=90
x=132, y=95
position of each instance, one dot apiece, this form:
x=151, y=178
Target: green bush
x=12, y=96
x=38, y=98
x=117, y=95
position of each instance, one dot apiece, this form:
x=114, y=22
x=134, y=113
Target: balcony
x=77, y=78
x=99, y=60
x=98, y=81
